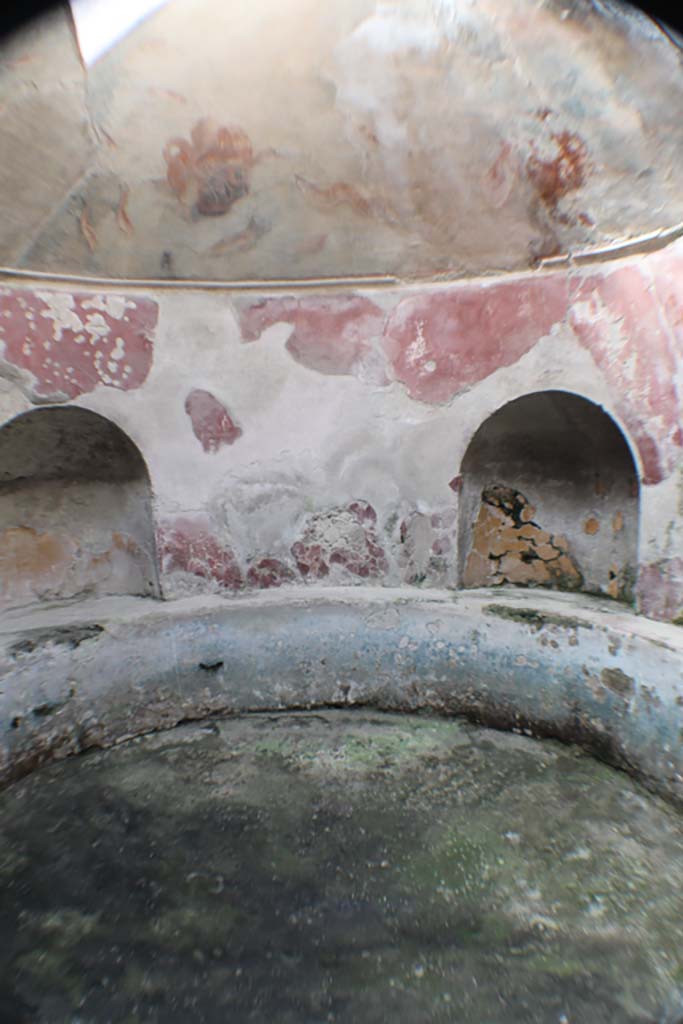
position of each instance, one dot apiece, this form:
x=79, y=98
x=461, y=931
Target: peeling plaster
x=71, y=343
x=362, y=397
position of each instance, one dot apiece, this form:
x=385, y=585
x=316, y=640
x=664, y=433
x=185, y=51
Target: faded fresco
x=296, y=140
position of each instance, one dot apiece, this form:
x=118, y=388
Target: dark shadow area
x=66, y=443
x=14, y=16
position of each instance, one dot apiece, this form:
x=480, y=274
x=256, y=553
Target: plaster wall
x=300, y=436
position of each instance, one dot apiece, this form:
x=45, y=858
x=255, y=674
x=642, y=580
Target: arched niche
x=550, y=498
x=75, y=509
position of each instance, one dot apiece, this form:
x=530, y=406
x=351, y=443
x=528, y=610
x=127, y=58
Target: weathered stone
x=518, y=551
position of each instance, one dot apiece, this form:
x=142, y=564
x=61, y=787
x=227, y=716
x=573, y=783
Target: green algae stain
x=534, y=618
x=345, y=866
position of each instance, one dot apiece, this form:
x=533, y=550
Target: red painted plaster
x=619, y=319
x=332, y=335
x=310, y=559
x=188, y=545
x=211, y=422
x=71, y=343
x=660, y=589
x=269, y=572
x=554, y=177
x=666, y=269
x=342, y=537
x=439, y=343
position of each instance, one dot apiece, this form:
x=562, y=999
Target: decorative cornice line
x=649, y=242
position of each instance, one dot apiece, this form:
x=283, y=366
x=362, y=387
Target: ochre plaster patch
x=508, y=547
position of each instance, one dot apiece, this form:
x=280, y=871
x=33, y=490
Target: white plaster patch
x=264, y=507
x=387, y=33
x=418, y=347
x=371, y=367
x=114, y=306
x=97, y=327
x=119, y=350
x=60, y=309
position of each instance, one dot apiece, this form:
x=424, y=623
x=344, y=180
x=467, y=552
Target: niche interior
x=75, y=509
x=550, y=498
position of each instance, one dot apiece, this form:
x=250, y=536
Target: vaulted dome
x=294, y=140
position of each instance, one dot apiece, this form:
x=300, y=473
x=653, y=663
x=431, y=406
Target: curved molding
x=651, y=241
x=621, y=248
x=96, y=673
x=190, y=284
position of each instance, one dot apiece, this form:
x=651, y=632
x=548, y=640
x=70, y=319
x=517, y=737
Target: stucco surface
x=297, y=434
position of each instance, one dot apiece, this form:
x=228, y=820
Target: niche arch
x=550, y=498
x=75, y=509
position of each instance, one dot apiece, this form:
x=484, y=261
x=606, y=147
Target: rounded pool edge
x=578, y=669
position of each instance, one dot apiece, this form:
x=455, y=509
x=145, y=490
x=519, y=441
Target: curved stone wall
x=558, y=665
x=265, y=278
x=319, y=436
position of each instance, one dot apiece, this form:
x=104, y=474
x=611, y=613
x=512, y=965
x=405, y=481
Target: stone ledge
x=91, y=674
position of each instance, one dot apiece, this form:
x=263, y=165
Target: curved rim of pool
x=94, y=673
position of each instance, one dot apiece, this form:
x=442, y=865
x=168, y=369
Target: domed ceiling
x=300, y=139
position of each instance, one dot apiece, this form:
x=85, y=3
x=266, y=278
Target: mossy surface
x=338, y=866
x=534, y=618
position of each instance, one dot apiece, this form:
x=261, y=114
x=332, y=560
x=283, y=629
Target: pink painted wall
x=313, y=436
